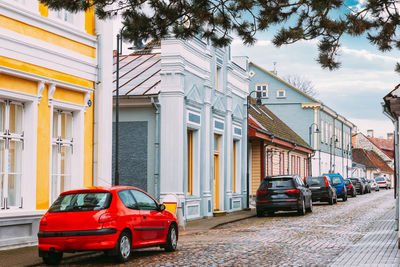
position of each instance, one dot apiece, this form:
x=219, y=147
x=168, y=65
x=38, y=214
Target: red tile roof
x=387, y=146
x=370, y=159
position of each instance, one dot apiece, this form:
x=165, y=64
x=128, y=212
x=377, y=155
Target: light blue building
x=327, y=132
x=183, y=125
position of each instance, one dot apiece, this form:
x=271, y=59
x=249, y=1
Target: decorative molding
x=194, y=95
x=17, y=95
x=311, y=105
x=38, y=78
x=66, y=105
x=52, y=90
x=219, y=105
x=237, y=113
x=44, y=23
x=40, y=90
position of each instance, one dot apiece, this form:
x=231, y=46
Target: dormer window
x=262, y=90
x=281, y=93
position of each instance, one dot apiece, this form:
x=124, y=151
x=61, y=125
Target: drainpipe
x=95, y=106
x=288, y=158
x=157, y=150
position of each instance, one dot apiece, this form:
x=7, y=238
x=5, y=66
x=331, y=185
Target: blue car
x=338, y=182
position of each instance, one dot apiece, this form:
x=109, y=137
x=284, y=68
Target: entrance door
x=216, y=172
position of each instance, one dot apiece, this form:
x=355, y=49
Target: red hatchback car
x=115, y=220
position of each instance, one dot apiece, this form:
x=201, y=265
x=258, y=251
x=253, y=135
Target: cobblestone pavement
x=283, y=240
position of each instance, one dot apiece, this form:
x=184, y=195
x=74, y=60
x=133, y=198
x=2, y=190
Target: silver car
x=373, y=184
x=382, y=182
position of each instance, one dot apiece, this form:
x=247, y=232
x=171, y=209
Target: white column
x=228, y=156
x=104, y=103
x=172, y=133
x=208, y=153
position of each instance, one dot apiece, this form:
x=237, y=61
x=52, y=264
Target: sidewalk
x=379, y=247
x=203, y=225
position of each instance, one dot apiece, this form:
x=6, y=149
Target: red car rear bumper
x=78, y=240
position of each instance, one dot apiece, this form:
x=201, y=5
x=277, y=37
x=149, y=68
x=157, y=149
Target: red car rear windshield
x=89, y=201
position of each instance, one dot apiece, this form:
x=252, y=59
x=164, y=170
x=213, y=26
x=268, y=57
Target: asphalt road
x=283, y=240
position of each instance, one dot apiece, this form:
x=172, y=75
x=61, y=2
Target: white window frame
x=219, y=78
x=78, y=19
x=259, y=89
x=8, y=137
x=77, y=159
x=322, y=133
x=279, y=91
x=60, y=142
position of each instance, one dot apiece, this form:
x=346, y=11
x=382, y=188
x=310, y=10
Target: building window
x=190, y=162
x=281, y=163
x=326, y=133
x=305, y=167
x=62, y=149
x=11, y=147
x=292, y=164
x=298, y=165
x=218, y=78
x=270, y=163
x=281, y=93
x=262, y=90
x=234, y=167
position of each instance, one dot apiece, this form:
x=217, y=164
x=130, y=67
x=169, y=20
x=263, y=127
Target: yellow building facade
x=55, y=110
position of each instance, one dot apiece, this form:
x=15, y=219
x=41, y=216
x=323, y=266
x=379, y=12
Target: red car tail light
x=262, y=192
x=357, y=182
x=43, y=221
x=107, y=217
x=326, y=181
x=293, y=191
x=350, y=186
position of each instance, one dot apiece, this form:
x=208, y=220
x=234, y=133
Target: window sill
x=15, y=213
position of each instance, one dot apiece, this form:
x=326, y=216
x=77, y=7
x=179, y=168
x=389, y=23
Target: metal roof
x=139, y=75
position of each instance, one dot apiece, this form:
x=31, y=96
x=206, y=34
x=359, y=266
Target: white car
x=373, y=184
x=382, y=182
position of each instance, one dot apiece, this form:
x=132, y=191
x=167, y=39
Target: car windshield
x=336, y=180
x=380, y=179
x=315, y=181
x=284, y=182
x=81, y=202
x=346, y=182
x=354, y=180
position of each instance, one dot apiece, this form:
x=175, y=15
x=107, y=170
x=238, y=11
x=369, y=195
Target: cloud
x=355, y=90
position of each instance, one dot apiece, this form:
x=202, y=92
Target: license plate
x=315, y=188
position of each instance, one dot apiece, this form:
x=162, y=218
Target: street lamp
x=119, y=51
x=332, y=144
x=258, y=103
x=312, y=146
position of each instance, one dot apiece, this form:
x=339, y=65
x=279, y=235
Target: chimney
x=275, y=71
x=370, y=133
x=390, y=136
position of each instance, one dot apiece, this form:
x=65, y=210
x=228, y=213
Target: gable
x=262, y=76
x=237, y=113
x=219, y=104
x=194, y=95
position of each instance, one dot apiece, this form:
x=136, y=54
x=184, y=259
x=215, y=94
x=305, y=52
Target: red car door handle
x=144, y=216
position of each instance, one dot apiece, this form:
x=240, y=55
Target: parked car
x=360, y=186
x=338, y=182
x=284, y=193
x=115, y=220
x=367, y=185
x=382, y=182
x=350, y=187
x=373, y=184
x=389, y=182
x=321, y=189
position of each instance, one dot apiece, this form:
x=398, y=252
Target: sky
x=355, y=91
